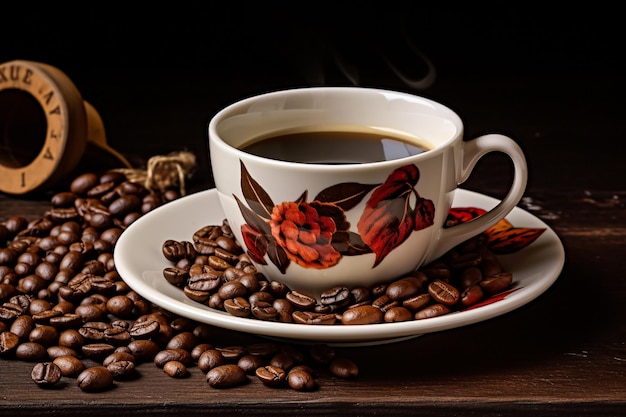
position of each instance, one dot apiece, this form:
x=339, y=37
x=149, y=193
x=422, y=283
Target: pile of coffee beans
x=64, y=307
x=212, y=268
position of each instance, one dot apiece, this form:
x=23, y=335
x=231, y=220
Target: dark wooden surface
x=553, y=82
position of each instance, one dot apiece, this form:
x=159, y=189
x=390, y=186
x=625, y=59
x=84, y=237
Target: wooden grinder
x=45, y=127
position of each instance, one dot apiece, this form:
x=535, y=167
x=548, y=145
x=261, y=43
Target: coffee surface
x=328, y=147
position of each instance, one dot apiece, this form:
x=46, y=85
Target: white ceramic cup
x=355, y=223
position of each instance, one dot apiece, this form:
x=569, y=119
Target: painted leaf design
x=255, y=242
x=504, y=238
x=458, y=215
x=388, y=218
x=349, y=244
x=399, y=184
x=424, y=214
x=345, y=195
x=384, y=226
x=278, y=256
x=257, y=198
x=253, y=219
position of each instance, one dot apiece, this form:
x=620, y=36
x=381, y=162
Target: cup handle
x=472, y=151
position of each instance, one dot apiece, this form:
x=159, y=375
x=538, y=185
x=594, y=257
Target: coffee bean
x=94, y=379
x=226, y=376
x=443, y=293
x=301, y=380
x=344, y=368
x=168, y=355
x=122, y=369
x=433, y=310
x=175, y=369
x=250, y=363
x=70, y=366
x=9, y=342
x=30, y=351
x=46, y=374
x=365, y=314
x=209, y=359
x=271, y=376
x=56, y=351
x=496, y=283
x=301, y=300
x=398, y=313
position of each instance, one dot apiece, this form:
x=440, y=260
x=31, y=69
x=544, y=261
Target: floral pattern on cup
x=316, y=233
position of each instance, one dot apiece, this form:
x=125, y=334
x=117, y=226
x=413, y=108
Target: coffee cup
x=347, y=186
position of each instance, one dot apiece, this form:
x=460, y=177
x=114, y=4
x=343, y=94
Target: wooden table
x=562, y=354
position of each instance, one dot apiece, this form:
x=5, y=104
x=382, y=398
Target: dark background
x=156, y=74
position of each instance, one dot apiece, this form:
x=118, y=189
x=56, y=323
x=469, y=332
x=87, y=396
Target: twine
x=164, y=172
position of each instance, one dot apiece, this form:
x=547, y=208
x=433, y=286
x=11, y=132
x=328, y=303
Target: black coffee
x=320, y=147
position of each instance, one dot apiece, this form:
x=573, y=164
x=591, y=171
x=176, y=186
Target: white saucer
x=140, y=262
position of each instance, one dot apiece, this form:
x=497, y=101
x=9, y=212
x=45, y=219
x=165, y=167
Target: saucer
x=140, y=262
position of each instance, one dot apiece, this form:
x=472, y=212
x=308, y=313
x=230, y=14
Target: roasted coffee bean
x=185, y=340
x=417, y=302
x=344, y=368
x=396, y=314
x=384, y=303
x=226, y=376
x=496, y=283
x=45, y=335
x=30, y=351
x=144, y=350
x=210, y=359
x=175, y=369
x=365, y=314
x=96, y=378
x=310, y=317
x=405, y=287
x=56, y=351
x=167, y=355
x=301, y=380
x=22, y=326
x=175, y=276
x=238, y=307
x=174, y=250
x=120, y=306
x=9, y=342
x=121, y=369
x=264, y=311
x=118, y=356
x=83, y=183
x=232, y=289
x=471, y=295
x=70, y=366
x=336, y=297
x=443, y=293
x=117, y=336
x=301, y=300
x=199, y=350
x=46, y=374
x=71, y=338
x=10, y=311
x=145, y=329
x=250, y=363
x=271, y=376
x=97, y=351
x=433, y=310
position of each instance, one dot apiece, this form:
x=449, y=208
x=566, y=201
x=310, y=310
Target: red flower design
x=304, y=234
